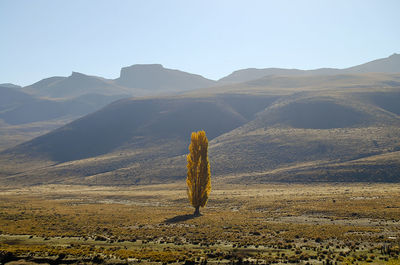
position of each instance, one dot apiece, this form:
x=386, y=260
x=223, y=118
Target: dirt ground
x=260, y=224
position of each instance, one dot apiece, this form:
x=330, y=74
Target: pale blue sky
x=44, y=38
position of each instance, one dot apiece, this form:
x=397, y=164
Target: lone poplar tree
x=198, y=171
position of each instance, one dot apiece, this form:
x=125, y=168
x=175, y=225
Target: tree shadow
x=180, y=218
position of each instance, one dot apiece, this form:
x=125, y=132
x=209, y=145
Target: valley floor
x=259, y=224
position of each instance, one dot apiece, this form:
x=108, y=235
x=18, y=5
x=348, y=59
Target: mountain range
x=390, y=64
x=263, y=125
x=57, y=100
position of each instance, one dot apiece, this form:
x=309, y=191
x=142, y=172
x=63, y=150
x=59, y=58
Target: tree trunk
x=197, y=211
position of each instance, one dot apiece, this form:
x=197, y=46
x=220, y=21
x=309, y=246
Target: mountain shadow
x=139, y=123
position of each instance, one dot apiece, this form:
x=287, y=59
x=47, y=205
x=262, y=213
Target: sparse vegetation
x=244, y=224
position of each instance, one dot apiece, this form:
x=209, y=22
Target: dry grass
x=154, y=223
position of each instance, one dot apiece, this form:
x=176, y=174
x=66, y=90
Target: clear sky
x=44, y=38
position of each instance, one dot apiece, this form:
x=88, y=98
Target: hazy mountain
x=18, y=107
x=282, y=127
x=135, y=80
x=55, y=100
x=24, y=116
x=155, y=77
x=10, y=95
x=248, y=74
x=43, y=85
x=390, y=64
x=9, y=85
x=257, y=133
x=75, y=85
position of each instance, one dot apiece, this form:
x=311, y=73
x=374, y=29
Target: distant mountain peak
x=77, y=74
x=146, y=66
x=157, y=77
x=140, y=69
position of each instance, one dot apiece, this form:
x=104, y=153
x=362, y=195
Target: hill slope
x=53, y=101
x=134, y=131
x=137, y=122
x=24, y=116
x=306, y=130
x=389, y=65
x=271, y=129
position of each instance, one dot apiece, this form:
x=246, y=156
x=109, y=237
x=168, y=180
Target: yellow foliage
x=198, y=170
x=394, y=262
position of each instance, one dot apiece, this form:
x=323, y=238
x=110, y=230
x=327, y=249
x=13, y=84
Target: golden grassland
x=277, y=223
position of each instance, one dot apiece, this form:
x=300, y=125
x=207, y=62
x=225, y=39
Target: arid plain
x=258, y=224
